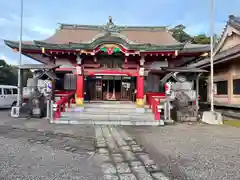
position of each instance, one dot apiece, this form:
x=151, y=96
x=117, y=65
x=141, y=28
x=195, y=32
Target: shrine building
x=111, y=62
x=226, y=67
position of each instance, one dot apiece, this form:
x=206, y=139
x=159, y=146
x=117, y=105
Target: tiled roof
x=218, y=57
x=85, y=33
x=234, y=22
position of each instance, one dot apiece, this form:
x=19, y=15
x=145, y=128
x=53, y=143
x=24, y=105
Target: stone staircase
x=106, y=114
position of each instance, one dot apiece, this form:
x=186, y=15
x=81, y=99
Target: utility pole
x=19, y=97
x=212, y=56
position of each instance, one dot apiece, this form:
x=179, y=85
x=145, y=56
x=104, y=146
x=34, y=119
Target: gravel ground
x=193, y=151
x=27, y=154
x=182, y=151
x=4, y=116
x=23, y=161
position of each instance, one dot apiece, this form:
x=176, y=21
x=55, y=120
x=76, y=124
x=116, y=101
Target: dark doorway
x=203, y=89
x=110, y=88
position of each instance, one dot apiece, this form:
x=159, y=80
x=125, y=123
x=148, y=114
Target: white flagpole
x=212, y=56
x=19, y=97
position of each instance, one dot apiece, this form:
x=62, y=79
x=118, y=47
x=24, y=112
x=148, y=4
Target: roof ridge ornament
x=110, y=26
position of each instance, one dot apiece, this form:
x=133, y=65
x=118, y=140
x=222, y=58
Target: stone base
x=15, y=111
x=140, y=110
x=161, y=122
x=169, y=121
x=79, y=109
x=212, y=117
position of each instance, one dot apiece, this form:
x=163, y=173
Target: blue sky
x=41, y=17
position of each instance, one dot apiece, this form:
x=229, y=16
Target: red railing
x=62, y=94
x=149, y=96
x=153, y=100
x=61, y=104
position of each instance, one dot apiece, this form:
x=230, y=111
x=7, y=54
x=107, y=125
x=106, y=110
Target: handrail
x=150, y=95
x=62, y=102
x=154, y=103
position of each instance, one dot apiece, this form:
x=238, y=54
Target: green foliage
x=179, y=34
x=201, y=39
x=8, y=74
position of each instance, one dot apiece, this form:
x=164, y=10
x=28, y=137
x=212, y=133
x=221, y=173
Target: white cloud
x=42, y=30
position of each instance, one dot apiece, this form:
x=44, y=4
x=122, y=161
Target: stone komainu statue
x=184, y=105
x=181, y=100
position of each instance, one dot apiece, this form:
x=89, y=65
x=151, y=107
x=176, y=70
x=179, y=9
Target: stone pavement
x=123, y=158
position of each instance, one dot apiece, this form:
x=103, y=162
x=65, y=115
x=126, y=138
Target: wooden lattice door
x=126, y=90
x=98, y=90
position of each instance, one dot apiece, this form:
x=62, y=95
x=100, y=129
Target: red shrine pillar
x=140, y=87
x=79, y=96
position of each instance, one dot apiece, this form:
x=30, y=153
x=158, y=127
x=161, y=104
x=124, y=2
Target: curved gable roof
x=232, y=26
x=136, y=34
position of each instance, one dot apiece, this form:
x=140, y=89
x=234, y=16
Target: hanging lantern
x=168, y=88
x=142, y=61
x=176, y=53
x=43, y=50
x=79, y=60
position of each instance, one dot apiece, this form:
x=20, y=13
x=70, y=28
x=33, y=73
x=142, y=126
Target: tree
x=8, y=73
x=178, y=32
x=201, y=39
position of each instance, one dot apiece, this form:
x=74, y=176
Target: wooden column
x=79, y=96
x=140, y=85
x=140, y=92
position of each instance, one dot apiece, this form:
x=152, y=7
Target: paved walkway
x=123, y=158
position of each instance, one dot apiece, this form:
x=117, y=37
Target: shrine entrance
x=111, y=88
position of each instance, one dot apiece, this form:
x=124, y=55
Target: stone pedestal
x=212, y=117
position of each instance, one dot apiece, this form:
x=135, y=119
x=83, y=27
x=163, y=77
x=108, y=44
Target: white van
x=8, y=96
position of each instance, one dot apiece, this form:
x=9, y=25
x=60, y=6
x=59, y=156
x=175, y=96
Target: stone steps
x=108, y=116
x=135, y=114
x=114, y=110
x=111, y=106
x=110, y=110
x=108, y=122
x=108, y=113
